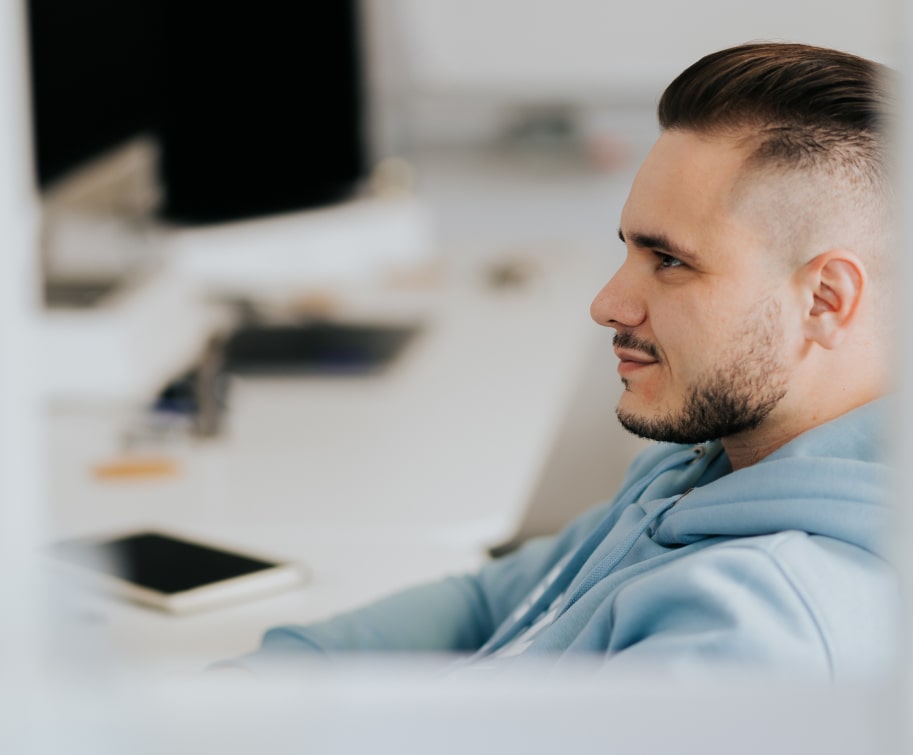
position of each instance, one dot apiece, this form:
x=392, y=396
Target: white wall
x=447, y=71
x=546, y=47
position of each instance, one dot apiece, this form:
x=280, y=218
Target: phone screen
x=159, y=562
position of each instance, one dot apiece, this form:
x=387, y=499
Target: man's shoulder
x=848, y=592
x=846, y=598
x=826, y=578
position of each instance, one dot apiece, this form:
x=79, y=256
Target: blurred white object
x=129, y=345
x=382, y=706
x=144, y=334
x=304, y=251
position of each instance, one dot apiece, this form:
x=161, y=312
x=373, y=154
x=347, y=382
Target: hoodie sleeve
x=455, y=615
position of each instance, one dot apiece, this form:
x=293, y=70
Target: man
x=753, y=322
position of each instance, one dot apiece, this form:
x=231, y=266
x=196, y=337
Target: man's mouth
x=634, y=354
x=630, y=361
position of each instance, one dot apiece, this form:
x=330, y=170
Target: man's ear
x=833, y=283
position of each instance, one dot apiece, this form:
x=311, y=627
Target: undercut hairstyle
x=821, y=122
x=803, y=107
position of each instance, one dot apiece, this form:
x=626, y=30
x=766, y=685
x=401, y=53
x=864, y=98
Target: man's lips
x=632, y=361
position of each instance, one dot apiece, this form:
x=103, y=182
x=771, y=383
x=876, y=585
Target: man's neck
x=743, y=451
x=749, y=447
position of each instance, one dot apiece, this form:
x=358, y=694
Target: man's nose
x=619, y=304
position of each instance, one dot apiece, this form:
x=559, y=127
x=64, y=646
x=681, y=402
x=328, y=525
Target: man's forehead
x=688, y=158
x=684, y=176
x=685, y=195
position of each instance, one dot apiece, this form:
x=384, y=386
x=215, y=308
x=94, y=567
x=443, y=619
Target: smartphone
x=172, y=572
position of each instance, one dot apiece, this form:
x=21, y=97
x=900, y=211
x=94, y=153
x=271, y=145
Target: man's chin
x=639, y=421
x=637, y=424
x=707, y=417
x=663, y=428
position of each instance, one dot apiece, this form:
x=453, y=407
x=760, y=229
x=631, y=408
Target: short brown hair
x=807, y=106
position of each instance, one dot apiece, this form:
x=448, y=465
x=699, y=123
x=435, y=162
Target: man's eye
x=667, y=260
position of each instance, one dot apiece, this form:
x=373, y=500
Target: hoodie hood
x=829, y=481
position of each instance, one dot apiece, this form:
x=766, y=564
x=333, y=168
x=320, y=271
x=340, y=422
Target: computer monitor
x=263, y=107
x=257, y=108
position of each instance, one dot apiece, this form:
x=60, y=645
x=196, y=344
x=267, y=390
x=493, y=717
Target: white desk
x=375, y=482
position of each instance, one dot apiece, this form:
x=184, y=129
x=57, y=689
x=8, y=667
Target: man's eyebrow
x=660, y=243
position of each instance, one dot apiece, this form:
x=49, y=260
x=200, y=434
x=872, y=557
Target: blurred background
x=203, y=167
x=313, y=278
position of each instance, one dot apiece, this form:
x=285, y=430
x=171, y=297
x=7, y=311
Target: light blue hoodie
x=779, y=566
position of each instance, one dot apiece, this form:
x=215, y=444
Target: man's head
x=753, y=302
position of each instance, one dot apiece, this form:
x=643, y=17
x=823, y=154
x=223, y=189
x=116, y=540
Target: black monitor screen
x=256, y=107
x=95, y=65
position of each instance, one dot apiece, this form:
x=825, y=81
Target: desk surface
x=373, y=482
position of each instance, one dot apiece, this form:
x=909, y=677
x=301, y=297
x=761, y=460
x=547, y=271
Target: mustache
x=624, y=339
